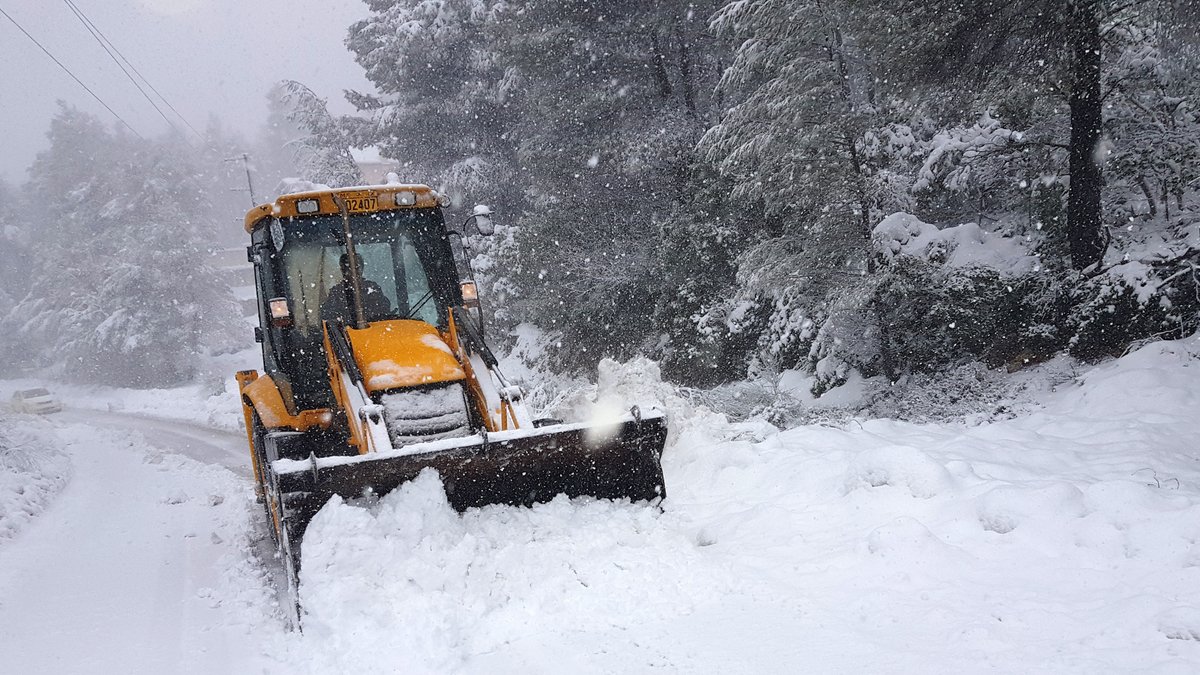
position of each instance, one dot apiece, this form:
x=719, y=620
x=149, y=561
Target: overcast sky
x=205, y=56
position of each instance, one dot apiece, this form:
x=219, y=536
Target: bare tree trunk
x=864, y=202
x=1149, y=196
x=660, y=67
x=685, y=70
x=838, y=56
x=1083, y=202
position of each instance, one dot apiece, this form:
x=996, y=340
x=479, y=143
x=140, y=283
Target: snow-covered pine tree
x=803, y=99
x=1036, y=89
x=578, y=121
x=444, y=107
x=1153, y=124
x=14, y=268
x=811, y=135
x=277, y=150
x=323, y=155
x=121, y=292
x=992, y=50
x=613, y=97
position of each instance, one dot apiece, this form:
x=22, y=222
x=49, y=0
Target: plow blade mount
x=515, y=467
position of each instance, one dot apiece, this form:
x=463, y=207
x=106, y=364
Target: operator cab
x=406, y=269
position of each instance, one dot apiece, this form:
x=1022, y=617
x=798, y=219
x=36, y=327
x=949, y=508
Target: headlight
x=307, y=206
x=470, y=294
x=281, y=314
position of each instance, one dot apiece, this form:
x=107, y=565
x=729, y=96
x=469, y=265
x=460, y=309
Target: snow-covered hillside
x=1066, y=540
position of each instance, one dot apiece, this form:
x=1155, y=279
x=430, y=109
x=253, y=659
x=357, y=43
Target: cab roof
x=359, y=199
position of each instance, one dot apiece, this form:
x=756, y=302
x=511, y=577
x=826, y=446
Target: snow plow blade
x=518, y=468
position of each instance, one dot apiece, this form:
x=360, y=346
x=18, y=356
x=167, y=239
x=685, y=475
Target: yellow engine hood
x=402, y=353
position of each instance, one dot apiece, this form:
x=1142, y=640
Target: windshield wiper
x=420, y=303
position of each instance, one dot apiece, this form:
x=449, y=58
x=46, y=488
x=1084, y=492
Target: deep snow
x=1064, y=540
x=1061, y=541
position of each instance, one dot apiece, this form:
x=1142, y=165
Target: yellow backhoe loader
x=375, y=368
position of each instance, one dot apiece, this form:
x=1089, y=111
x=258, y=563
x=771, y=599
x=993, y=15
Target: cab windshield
x=407, y=272
x=405, y=268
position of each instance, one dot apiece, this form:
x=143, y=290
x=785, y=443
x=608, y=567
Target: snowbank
x=1064, y=541
x=193, y=403
x=33, y=469
x=450, y=591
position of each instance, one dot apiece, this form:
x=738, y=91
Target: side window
x=308, y=271
x=417, y=283
x=378, y=267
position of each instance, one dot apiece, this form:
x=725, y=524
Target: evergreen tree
x=578, y=121
x=14, y=268
x=121, y=291
x=323, y=155
x=683, y=196
x=804, y=134
x=444, y=104
x=1153, y=119
x=1055, y=46
x=613, y=98
x=812, y=137
x=277, y=149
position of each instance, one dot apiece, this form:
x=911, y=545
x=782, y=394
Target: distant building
x=374, y=168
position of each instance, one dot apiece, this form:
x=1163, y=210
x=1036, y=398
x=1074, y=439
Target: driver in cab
x=340, y=302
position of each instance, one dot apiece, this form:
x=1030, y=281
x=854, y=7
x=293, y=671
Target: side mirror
x=483, y=220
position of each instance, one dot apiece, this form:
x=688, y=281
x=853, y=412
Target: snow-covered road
x=141, y=564
x=203, y=444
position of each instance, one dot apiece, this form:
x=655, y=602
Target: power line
x=68, y=72
x=85, y=22
x=92, y=26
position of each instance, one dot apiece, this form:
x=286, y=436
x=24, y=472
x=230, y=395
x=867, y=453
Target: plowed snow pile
x=32, y=471
x=1064, y=541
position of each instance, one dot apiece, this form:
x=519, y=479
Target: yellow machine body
x=361, y=402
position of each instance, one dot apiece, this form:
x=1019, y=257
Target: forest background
x=845, y=188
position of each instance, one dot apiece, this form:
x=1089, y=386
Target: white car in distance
x=38, y=401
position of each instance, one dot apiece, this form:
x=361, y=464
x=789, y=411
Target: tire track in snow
x=203, y=444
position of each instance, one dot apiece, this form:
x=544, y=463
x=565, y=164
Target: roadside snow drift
x=32, y=471
x=1064, y=541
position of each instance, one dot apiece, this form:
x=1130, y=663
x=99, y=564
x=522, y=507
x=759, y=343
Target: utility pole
x=245, y=160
